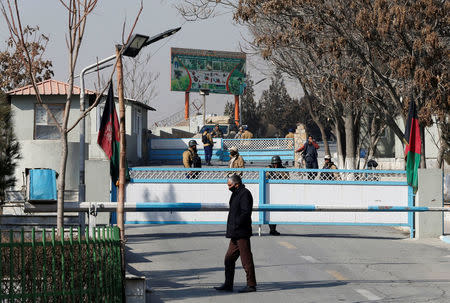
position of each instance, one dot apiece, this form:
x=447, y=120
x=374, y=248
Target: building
x=38, y=135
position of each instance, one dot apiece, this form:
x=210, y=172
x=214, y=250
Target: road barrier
x=188, y=207
x=253, y=150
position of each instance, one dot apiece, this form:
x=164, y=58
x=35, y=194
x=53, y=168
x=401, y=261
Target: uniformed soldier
x=236, y=160
x=328, y=164
x=191, y=158
x=290, y=134
x=246, y=134
x=217, y=133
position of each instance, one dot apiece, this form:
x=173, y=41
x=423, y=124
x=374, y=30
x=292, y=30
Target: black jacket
x=239, y=223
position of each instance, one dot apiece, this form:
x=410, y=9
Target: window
x=45, y=127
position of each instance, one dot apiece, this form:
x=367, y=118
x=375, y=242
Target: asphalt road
x=182, y=263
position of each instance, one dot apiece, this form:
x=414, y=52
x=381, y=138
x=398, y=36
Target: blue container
x=42, y=185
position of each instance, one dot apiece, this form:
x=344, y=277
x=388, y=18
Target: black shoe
x=224, y=287
x=274, y=233
x=247, y=289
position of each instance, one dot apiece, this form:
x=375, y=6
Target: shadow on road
x=156, y=236
x=349, y=236
x=206, y=289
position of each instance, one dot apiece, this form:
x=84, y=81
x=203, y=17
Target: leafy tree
x=13, y=73
x=9, y=148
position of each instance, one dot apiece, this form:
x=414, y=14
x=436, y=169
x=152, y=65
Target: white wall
x=182, y=192
x=46, y=154
x=315, y=194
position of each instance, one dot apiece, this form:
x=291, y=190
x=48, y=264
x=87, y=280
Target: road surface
x=182, y=263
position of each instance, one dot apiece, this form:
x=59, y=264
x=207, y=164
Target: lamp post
x=204, y=92
x=136, y=43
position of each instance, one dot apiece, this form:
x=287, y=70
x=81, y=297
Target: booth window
x=45, y=127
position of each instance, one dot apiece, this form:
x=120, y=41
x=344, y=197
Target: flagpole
x=122, y=165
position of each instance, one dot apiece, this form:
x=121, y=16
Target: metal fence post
x=262, y=198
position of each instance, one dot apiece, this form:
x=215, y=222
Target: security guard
x=290, y=133
x=190, y=156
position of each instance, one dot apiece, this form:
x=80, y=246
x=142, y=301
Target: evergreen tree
x=9, y=148
x=249, y=109
x=277, y=107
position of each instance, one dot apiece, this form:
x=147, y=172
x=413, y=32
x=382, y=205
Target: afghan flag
x=413, y=146
x=108, y=135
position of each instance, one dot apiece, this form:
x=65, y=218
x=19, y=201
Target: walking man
x=239, y=230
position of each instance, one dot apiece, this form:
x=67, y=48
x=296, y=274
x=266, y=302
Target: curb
x=446, y=239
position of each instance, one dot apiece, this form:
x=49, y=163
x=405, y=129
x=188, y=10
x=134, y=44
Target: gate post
x=429, y=194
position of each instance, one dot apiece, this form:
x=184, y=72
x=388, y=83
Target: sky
x=104, y=30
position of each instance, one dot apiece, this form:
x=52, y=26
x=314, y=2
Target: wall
x=23, y=110
x=46, y=154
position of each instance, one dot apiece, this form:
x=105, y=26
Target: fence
x=37, y=267
x=340, y=188
x=171, y=150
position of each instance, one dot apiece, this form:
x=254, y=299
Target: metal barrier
x=252, y=150
x=47, y=269
x=274, y=144
x=340, y=188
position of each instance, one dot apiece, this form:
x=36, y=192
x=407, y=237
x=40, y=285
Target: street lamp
x=136, y=43
x=204, y=92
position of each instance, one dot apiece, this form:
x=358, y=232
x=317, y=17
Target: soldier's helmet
x=192, y=143
x=276, y=160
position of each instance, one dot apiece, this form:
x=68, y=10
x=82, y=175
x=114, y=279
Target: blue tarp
x=42, y=185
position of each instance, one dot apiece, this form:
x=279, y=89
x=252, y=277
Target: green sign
x=195, y=69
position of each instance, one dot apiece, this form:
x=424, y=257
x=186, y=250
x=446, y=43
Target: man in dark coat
x=239, y=230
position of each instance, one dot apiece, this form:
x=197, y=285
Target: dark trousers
x=312, y=164
x=239, y=247
x=272, y=227
x=208, y=153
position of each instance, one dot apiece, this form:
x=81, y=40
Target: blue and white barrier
x=252, y=150
x=200, y=207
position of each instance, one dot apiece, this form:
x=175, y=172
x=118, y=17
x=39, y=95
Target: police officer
x=328, y=164
x=276, y=163
x=208, y=144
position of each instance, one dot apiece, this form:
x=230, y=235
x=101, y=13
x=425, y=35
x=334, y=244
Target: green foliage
x=277, y=107
x=9, y=148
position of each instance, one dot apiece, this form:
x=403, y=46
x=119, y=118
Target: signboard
x=220, y=72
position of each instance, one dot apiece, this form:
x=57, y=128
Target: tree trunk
x=326, y=146
x=316, y=120
x=61, y=185
x=340, y=149
x=423, y=160
x=349, y=141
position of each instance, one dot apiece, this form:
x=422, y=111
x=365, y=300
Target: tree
x=139, y=81
x=9, y=148
x=277, y=107
x=398, y=45
x=13, y=72
x=77, y=15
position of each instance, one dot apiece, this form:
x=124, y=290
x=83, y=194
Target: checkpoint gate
x=357, y=188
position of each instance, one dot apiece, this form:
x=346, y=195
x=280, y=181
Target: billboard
x=220, y=72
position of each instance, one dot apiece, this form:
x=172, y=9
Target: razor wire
x=259, y=144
